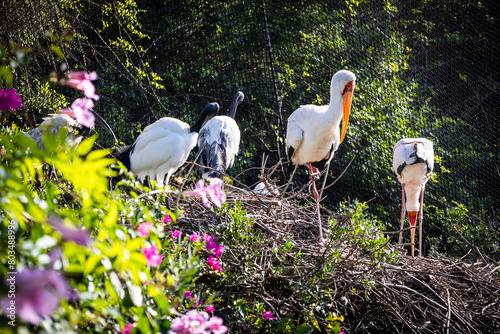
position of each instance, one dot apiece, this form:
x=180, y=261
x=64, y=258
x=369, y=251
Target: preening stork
x=163, y=147
x=313, y=132
x=413, y=163
x=53, y=123
x=219, y=142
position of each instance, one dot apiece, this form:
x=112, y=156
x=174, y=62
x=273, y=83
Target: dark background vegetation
x=424, y=68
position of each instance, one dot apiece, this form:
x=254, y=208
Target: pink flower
x=191, y=322
x=38, y=294
x=167, y=219
x=195, y=237
x=9, y=100
x=214, y=264
x=210, y=309
x=188, y=294
x=268, y=315
x=176, y=234
x=194, y=322
x=81, y=81
x=153, y=257
x=215, y=326
x=80, y=111
x=217, y=252
x=144, y=228
x=127, y=329
x=207, y=238
x=211, y=245
x=200, y=191
x=217, y=195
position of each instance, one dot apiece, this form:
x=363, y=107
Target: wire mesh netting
x=426, y=69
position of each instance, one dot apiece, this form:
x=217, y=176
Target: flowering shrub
x=9, y=100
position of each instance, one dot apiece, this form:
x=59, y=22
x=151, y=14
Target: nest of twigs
x=409, y=295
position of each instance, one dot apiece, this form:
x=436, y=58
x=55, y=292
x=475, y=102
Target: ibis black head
x=237, y=99
x=208, y=111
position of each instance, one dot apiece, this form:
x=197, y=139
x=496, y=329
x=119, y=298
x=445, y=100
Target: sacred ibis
x=163, y=147
x=313, y=132
x=413, y=163
x=219, y=142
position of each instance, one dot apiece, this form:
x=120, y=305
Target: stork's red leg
x=402, y=212
x=421, y=219
x=316, y=197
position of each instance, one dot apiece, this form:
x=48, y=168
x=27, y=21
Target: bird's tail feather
x=213, y=160
x=122, y=154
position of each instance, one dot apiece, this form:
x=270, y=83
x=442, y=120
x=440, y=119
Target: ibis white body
x=161, y=149
x=219, y=142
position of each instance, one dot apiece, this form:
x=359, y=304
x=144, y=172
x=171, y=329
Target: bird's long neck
x=412, y=197
x=207, y=111
x=335, y=107
x=234, y=104
x=199, y=123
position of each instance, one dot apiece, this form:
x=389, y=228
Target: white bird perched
x=219, y=142
x=53, y=123
x=163, y=146
x=413, y=163
x=313, y=132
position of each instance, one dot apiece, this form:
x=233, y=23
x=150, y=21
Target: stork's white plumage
x=52, y=124
x=313, y=132
x=163, y=146
x=219, y=142
x=413, y=163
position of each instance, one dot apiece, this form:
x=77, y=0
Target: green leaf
x=304, y=328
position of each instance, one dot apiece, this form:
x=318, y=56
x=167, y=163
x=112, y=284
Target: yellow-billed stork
x=313, y=132
x=413, y=163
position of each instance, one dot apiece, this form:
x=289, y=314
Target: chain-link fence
x=423, y=69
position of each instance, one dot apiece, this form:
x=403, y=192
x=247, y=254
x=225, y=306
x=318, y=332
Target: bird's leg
x=421, y=218
x=314, y=171
x=316, y=197
x=402, y=212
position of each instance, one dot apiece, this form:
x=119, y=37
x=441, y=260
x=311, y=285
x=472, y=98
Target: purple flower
x=144, y=228
x=82, y=81
x=127, y=329
x=9, y=100
x=81, y=237
x=217, y=252
x=188, y=294
x=153, y=257
x=210, y=309
x=195, y=237
x=268, y=315
x=176, y=234
x=38, y=294
x=167, y=219
x=214, y=264
x=211, y=245
x=80, y=111
x=217, y=195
